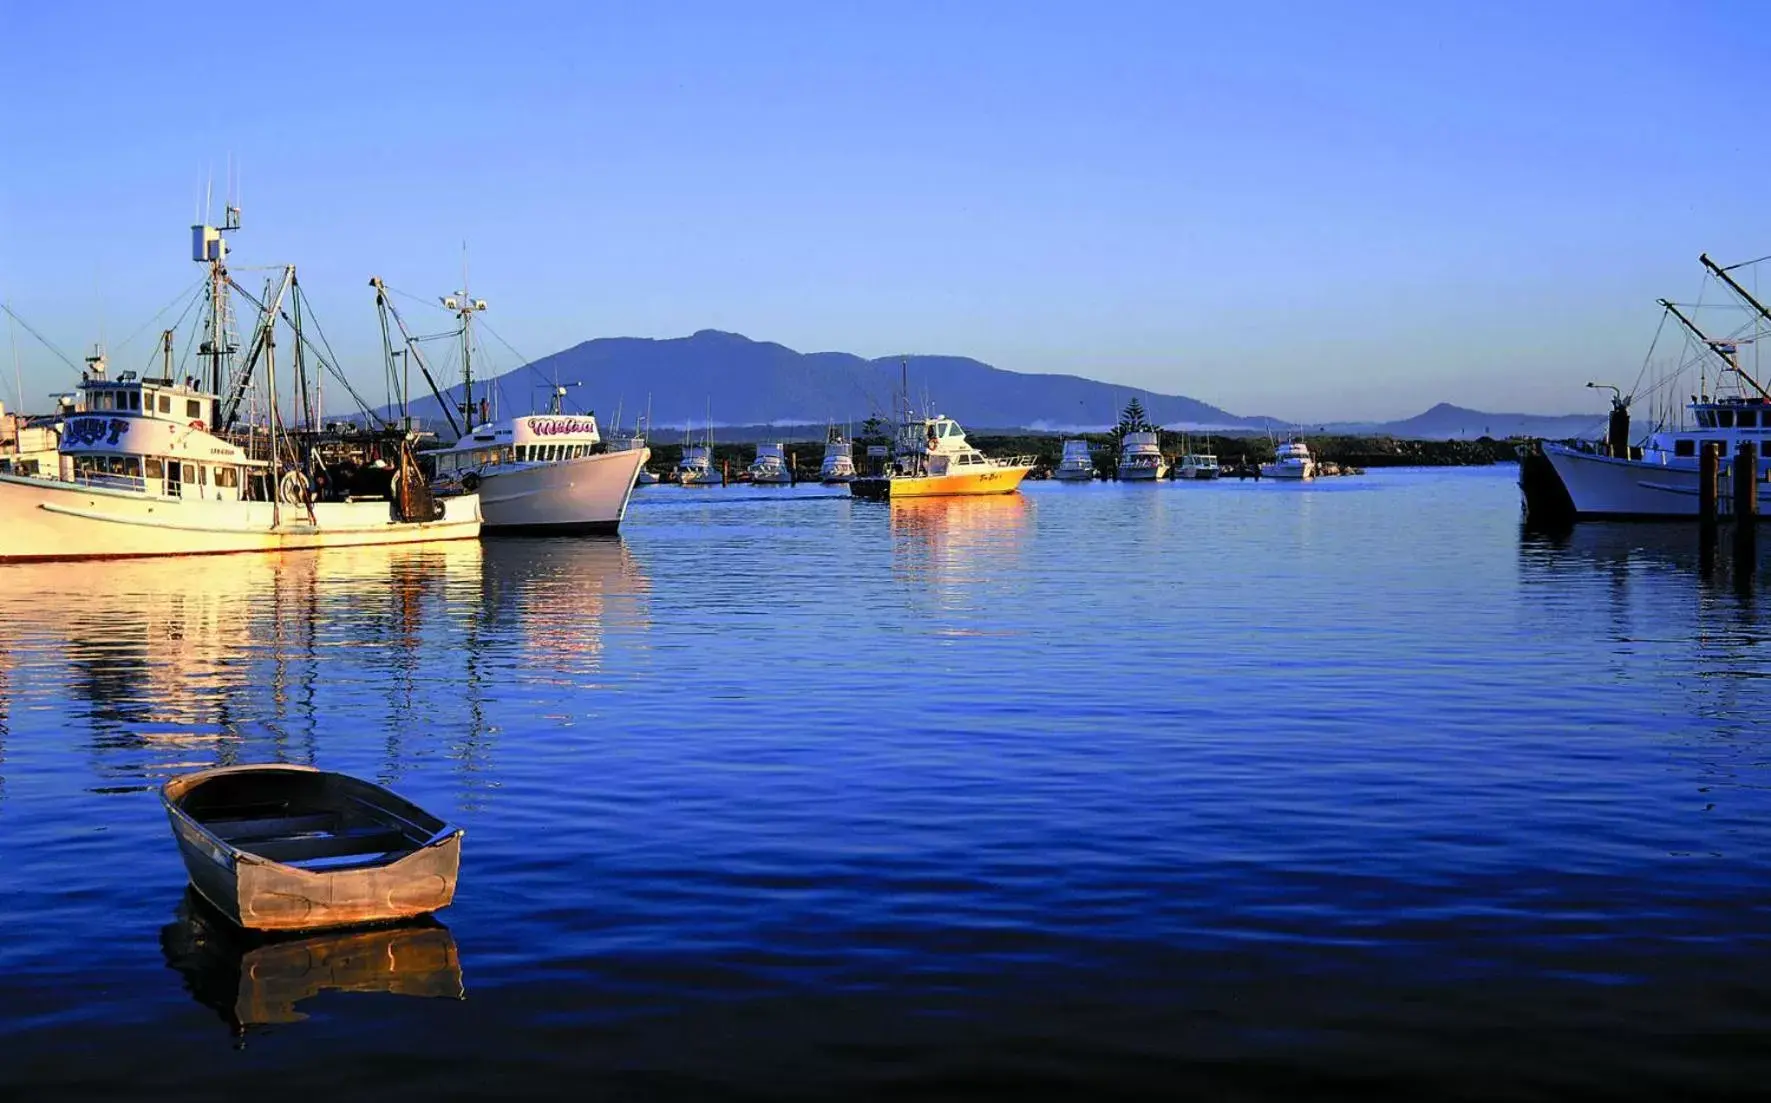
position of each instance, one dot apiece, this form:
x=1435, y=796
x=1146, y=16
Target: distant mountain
x=737, y=381
x=734, y=381
x=1448, y=422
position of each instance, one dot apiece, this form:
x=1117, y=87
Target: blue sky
x=1314, y=211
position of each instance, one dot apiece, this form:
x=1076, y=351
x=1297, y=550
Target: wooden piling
x=1709, y=466
x=1746, y=511
x=1746, y=484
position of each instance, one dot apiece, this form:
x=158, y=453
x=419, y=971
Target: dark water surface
x=1233, y=791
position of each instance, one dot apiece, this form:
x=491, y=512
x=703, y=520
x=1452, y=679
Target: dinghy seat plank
x=355, y=842
x=239, y=831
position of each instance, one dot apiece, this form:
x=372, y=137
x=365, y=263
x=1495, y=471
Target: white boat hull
x=1142, y=474
x=43, y=519
x=1607, y=487
x=1297, y=471
x=772, y=478
x=587, y=495
x=1073, y=476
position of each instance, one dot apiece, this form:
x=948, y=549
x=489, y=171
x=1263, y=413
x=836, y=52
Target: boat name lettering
x=561, y=427
x=92, y=430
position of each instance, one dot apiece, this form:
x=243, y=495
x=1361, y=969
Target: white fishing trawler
x=150, y=466
x=839, y=458
x=1291, y=460
x=1659, y=478
x=1077, y=464
x=770, y=466
x=1140, y=456
x=541, y=474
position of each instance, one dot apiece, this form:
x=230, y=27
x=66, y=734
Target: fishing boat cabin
x=510, y=445
x=153, y=435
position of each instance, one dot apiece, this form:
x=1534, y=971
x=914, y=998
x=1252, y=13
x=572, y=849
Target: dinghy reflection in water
x=257, y=980
x=291, y=848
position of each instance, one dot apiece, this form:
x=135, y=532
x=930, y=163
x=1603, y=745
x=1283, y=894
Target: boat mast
x=208, y=246
x=465, y=308
x=1727, y=350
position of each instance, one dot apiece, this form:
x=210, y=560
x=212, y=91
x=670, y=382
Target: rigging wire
x=44, y=341
x=1745, y=263
x=179, y=321
x=161, y=313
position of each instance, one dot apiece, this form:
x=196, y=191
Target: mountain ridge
x=728, y=379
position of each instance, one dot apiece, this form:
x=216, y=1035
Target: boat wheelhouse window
x=1747, y=419
x=1685, y=447
x=522, y=453
x=1724, y=419
x=227, y=477
x=155, y=468
x=187, y=472
x=101, y=400
x=193, y=409
x=134, y=399
x=165, y=403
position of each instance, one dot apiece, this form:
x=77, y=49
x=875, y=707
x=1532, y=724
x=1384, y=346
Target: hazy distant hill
x=1448, y=422
x=745, y=382
x=740, y=382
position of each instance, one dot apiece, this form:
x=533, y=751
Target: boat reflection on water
x=1626, y=551
x=184, y=656
x=950, y=546
x=255, y=980
x=559, y=599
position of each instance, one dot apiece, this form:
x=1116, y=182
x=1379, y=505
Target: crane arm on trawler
x=261, y=339
x=1722, y=274
x=1716, y=347
x=387, y=308
x=243, y=379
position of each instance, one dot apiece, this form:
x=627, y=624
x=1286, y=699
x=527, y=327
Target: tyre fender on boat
x=470, y=482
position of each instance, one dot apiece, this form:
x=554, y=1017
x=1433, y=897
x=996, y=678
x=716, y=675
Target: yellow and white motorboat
x=932, y=458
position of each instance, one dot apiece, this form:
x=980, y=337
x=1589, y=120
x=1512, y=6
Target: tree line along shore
x=1231, y=450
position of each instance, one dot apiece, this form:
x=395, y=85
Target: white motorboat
x=839, y=458
x=1140, y=456
x=771, y=467
x=1198, y=465
x=149, y=466
x=1291, y=460
x=696, y=467
x=1077, y=464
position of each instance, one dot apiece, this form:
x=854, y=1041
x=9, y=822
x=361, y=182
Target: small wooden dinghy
x=292, y=848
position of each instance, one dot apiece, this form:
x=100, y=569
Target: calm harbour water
x=1236, y=790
